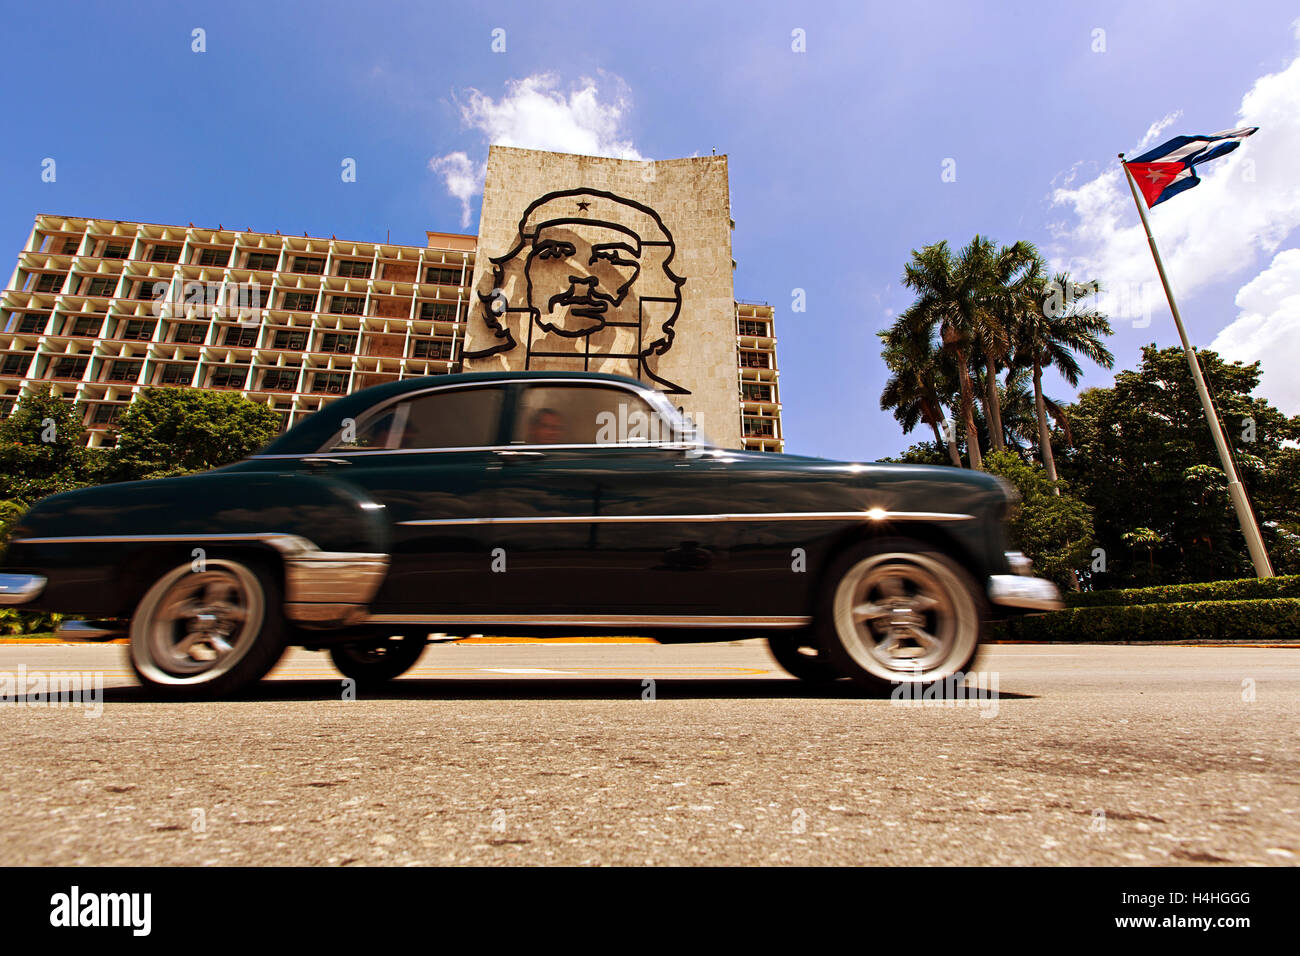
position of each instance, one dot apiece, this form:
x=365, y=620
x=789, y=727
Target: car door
x=426, y=457
x=604, y=511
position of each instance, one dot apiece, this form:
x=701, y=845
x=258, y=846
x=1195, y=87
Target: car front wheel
x=208, y=630
x=898, y=612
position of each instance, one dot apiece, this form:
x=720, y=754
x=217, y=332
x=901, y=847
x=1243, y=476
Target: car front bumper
x=20, y=588
x=1023, y=591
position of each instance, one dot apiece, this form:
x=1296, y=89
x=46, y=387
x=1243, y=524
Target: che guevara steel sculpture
x=595, y=273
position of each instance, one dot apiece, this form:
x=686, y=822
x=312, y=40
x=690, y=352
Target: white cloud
x=1246, y=205
x=1156, y=128
x=536, y=113
x=1268, y=330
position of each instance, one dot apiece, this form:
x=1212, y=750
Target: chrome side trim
x=736, y=516
x=594, y=620
x=1018, y=590
x=20, y=588
x=284, y=543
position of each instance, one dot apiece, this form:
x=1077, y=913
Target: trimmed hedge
x=1243, y=589
x=1268, y=619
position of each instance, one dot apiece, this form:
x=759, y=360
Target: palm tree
x=1009, y=274
x=1019, y=410
x=948, y=299
x=1051, y=326
x=918, y=379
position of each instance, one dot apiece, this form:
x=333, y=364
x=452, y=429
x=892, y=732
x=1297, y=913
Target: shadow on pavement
x=540, y=688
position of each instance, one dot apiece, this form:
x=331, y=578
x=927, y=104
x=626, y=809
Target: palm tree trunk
x=1044, y=434
x=968, y=412
x=946, y=437
x=993, y=406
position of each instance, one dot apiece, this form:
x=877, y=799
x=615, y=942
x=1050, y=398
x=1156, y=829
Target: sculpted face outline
x=579, y=281
x=585, y=260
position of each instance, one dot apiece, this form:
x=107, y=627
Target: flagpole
x=1245, y=517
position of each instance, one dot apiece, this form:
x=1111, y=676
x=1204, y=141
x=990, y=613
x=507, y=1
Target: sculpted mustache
x=592, y=297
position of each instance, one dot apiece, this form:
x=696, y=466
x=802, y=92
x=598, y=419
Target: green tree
x=950, y=292
x=178, y=431
x=1052, y=323
x=919, y=379
x=43, y=449
x=1144, y=459
x=1052, y=527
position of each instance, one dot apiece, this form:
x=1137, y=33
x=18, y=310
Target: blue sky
x=835, y=154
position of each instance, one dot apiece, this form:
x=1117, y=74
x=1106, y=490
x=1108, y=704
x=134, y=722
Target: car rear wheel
x=207, y=632
x=800, y=654
x=373, y=663
x=898, y=612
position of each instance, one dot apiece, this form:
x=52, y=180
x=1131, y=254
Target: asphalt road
x=568, y=754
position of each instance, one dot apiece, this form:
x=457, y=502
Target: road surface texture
x=642, y=754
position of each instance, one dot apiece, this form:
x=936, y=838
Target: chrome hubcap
x=903, y=616
x=195, y=625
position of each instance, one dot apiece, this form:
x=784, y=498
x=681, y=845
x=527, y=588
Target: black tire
x=802, y=656
x=896, y=612
x=207, y=632
x=374, y=663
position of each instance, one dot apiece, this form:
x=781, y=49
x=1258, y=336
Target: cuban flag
x=1168, y=170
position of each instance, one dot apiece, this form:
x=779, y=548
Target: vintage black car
x=538, y=503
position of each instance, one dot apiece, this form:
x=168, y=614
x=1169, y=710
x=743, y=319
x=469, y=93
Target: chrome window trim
x=681, y=446
x=689, y=518
x=652, y=397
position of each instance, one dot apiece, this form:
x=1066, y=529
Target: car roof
x=311, y=433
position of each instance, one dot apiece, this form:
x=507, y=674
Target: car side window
x=585, y=415
x=459, y=418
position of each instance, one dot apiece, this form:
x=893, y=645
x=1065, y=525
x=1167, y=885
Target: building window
x=123, y=372
x=68, y=367
x=299, y=301
x=332, y=382
x=165, y=254
x=86, y=326
x=346, y=305
x=70, y=246
x=754, y=359
x=439, y=311
x=138, y=329
x=32, y=324
x=116, y=250
x=105, y=414
x=214, y=257
x=150, y=290
x=423, y=348
x=338, y=342
x=191, y=332
x=241, y=337
x=759, y=427
x=177, y=374
x=49, y=282
x=264, y=261
x=757, y=392
x=15, y=364
x=225, y=376
x=354, y=269
x=750, y=327
x=308, y=265
x=280, y=380
x=285, y=339
x=442, y=276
